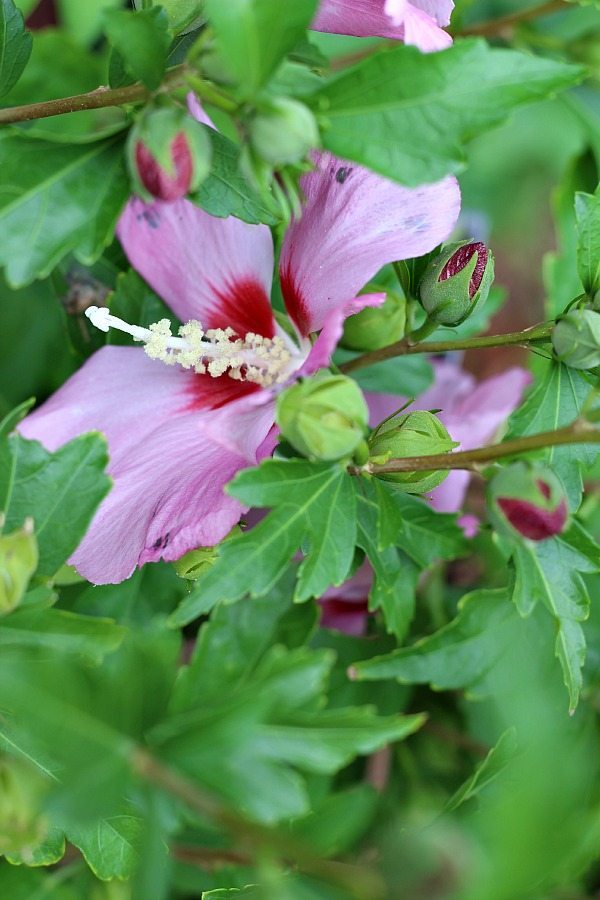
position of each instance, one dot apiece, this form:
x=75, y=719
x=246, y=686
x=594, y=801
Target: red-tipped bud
x=160, y=183
x=169, y=154
x=456, y=281
x=529, y=500
x=461, y=259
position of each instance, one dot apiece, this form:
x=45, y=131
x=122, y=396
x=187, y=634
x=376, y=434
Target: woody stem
x=408, y=346
x=578, y=432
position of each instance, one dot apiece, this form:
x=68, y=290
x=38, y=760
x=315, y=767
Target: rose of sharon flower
x=185, y=413
x=472, y=413
x=417, y=22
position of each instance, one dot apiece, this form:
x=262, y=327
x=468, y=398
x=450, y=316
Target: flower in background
x=418, y=22
x=183, y=417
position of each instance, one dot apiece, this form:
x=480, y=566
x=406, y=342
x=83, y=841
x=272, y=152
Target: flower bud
x=283, y=132
x=375, y=327
x=528, y=499
x=168, y=153
x=456, y=281
x=18, y=562
x=576, y=339
x=324, y=417
x=418, y=433
x=195, y=563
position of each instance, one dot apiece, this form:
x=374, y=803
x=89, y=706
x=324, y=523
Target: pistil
x=215, y=352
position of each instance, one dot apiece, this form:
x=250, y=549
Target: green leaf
x=60, y=491
x=587, y=212
x=57, y=199
x=335, y=824
x=458, y=655
x=407, y=376
x=134, y=301
x=83, y=21
x=79, y=72
x=253, y=36
x=436, y=101
x=15, y=45
x=395, y=575
x=555, y=401
x=60, y=632
x=487, y=771
x=50, y=851
x=109, y=845
x=560, y=272
x=549, y=572
x=142, y=39
x=411, y=523
x=225, y=192
x=249, y=717
x=314, y=508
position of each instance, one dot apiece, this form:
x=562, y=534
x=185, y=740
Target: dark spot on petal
x=342, y=174
x=151, y=216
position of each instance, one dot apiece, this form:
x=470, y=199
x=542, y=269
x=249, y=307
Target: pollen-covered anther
x=216, y=352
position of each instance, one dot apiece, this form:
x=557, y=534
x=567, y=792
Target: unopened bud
x=528, y=499
x=376, y=327
x=324, y=417
x=456, y=281
x=576, y=339
x=418, y=433
x=18, y=562
x=283, y=132
x=169, y=154
x=195, y=563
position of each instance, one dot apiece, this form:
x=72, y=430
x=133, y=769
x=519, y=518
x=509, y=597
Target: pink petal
x=345, y=608
x=413, y=22
x=470, y=525
x=168, y=497
x=322, y=349
x=216, y=270
x=169, y=473
x=353, y=223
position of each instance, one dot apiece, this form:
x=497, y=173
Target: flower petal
x=353, y=223
x=414, y=22
x=168, y=472
x=216, y=270
x=321, y=351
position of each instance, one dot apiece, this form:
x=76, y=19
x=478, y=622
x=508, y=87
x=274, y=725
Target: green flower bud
x=283, y=132
x=375, y=327
x=168, y=153
x=21, y=826
x=195, y=563
x=324, y=417
x=18, y=562
x=418, y=433
x=528, y=500
x=456, y=282
x=576, y=339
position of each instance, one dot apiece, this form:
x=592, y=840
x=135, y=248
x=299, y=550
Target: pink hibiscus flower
x=415, y=22
x=177, y=433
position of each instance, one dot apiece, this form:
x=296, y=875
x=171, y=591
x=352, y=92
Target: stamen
x=264, y=361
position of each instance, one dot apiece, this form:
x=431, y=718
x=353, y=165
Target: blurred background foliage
x=506, y=827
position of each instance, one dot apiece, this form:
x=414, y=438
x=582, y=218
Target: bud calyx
x=456, y=281
x=419, y=433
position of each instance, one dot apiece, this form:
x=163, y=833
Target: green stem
x=408, y=346
x=358, y=881
x=505, y=23
x=579, y=432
